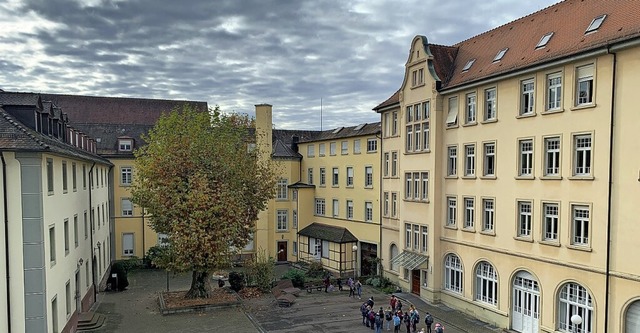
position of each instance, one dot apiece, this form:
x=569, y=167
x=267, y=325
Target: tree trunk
x=200, y=285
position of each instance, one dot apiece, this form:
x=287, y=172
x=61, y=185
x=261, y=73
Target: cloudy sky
x=235, y=53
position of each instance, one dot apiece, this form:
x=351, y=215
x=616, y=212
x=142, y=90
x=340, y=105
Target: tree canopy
x=202, y=187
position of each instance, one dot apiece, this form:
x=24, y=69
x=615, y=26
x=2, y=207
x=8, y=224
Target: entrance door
x=526, y=303
x=78, y=296
x=282, y=251
x=415, y=282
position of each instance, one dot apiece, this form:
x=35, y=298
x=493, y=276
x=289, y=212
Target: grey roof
x=282, y=150
x=14, y=136
x=301, y=185
x=19, y=99
x=346, y=132
x=328, y=232
x=108, y=135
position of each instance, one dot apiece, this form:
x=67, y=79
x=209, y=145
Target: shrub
x=261, y=270
x=316, y=270
x=156, y=256
x=121, y=269
x=296, y=276
x=236, y=280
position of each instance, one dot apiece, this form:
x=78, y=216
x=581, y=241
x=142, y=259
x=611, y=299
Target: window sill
x=349, y=186
x=552, y=111
x=551, y=178
x=581, y=178
x=468, y=177
x=449, y=126
x=469, y=229
x=335, y=186
x=371, y=151
x=368, y=187
x=419, y=85
x=489, y=121
x=489, y=177
x=550, y=243
x=50, y=193
x=415, y=152
x=322, y=186
x=526, y=115
x=583, y=107
x=282, y=231
x=451, y=177
x=488, y=233
x=584, y=248
x=451, y=227
x=343, y=154
x=75, y=190
x=524, y=177
x=65, y=191
x=356, y=153
x=523, y=239
x=470, y=124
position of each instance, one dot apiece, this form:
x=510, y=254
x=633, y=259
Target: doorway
x=77, y=295
x=415, y=281
x=526, y=303
x=282, y=251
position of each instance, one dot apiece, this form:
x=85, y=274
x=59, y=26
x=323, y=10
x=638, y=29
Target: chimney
x=294, y=143
x=264, y=131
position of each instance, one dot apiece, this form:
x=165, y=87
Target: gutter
x=91, y=228
x=6, y=235
x=380, y=205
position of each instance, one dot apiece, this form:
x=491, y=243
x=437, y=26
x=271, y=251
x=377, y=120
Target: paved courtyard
x=136, y=310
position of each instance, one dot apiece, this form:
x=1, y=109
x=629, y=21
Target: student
x=388, y=317
x=350, y=284
x=396, y=322
x=364, y=311
x=392, y=302
x=407, y=321
x=359, y=289
x=439, y=328
x=379, y=321
x=428, y=320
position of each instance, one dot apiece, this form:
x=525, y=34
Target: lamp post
x=576, y=320
x=355, y=260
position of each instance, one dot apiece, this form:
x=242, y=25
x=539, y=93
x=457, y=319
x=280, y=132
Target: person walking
x=439, y=328
x=326, y=283
x=388, y=317
x=392, y=302
x=396, y=322
x=428, y=321
x=379, y=321
x=364, y=311
x=350, y=284
x=415, y=318
x=407, y=321
x=359, y=289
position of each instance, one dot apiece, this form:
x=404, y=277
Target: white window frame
x=350, y=209
x=344, y=147
x=335, y=176
x=368, y=176
x=387, y=164
x=320, y=208
x=554, y=91
x=575, y=299
x=349, y=176
x=581, y=225
x=126, y=175
x=584, y=85
x=126, y=207
x=582, y=154
x=282, y=190
x=525, y=157
x=323, y=176
x=368, y=211
x=550, y=228
x=424, y=232
x=489, y=159
x=452, y=161
x=394, y=204
x=332, y=148
x=336, y=207
x=407, y=235
x=552, y=157
x=470, y=110
x=424, y=186
x=385, y=207
x=394, y=164
x=125, y=145
x=453, y=274
x=321, y=149
x=470, y=160
x=127, y=250
x=310, y=176
x=469, y=212
x=490, y=104
x=452, y=113
x=525, y=218
x=282, y=220
x=372, y=145
x=452, y=211
x=356, y=146
x=311, y=151
x=486, y=283
x=527, y=97
x=488, y=214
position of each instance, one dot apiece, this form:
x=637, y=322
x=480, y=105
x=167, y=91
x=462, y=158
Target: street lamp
x=576, y=320
x=355, y=260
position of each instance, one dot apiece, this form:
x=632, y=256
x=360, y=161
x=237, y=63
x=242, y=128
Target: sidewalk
x=451, y=319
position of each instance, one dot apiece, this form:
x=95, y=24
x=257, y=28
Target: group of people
x=355, y=287
x=394, y=317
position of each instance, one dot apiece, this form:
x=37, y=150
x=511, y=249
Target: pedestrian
x=364, y=312
x=407, y=321
x=351, y=283
x=359, y=289
x=372, y=318
x=326, y=283
x=439, y=328
x=415, y=318
x=339, y=283
x=428, y=320
x=392, y=302
x=378, y=321
x=370, y=302
x=398, y=305
x=396, y=322
x=388, y=317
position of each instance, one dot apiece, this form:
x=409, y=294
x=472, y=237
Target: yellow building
x=516, y=171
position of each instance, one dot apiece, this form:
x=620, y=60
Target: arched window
x=486, y=283
x=574, y=299
x=632, y=318
x=393, y=252
x=453, y=273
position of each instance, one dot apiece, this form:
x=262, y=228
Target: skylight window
x=468, y=65
x=359, y=127
x=337, y=130
x=544, y=40
x=596, y=23
x=500, y=54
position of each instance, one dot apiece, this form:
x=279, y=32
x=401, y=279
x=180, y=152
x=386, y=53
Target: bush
x=316, y=270
x=296, y=276
x=156, y=255
x=261, y=270
x=236, y=280
x=121, y=269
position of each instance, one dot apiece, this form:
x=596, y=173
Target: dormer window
x=500, y=54
x=125, y=144
x=596, y=23
x=544, y=40
x=468, y=65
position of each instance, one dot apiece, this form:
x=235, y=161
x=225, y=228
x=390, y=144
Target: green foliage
x=158, y=255
x=121, y=268
x=381, y=283
x=201, y=186
x=261, y=270
x=236, y=280
x=296, y=276
x=316, y=270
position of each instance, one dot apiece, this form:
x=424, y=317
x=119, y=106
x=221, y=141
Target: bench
x=310, y=287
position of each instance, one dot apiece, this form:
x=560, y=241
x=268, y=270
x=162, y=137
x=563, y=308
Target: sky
x=338, y=58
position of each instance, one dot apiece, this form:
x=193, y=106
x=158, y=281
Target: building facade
x=530, y=168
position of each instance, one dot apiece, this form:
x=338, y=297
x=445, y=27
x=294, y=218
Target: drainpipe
x=610, y=196
x=6, y=235
x=380, y=205
x=91, y=227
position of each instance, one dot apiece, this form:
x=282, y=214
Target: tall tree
x=203, y=188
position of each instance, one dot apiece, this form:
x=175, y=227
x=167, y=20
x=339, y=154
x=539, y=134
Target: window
x=350, y=176
x=470, y=110
x=416, y=186
x=554, y=91
x=394, y=204
x=417, y=138
x=336, y=208
x=489, y=166
x=50, y=175
x=310, y=151
x=527, y=98
x=407, y=235
x=125, y=175
x=294, y=217
x=424, y=186
x=452, y=114
x=426, y=117
x=551, y=221
x=584, y=85
x=490, y=104
x=336, y=177
x=321, y=149
x=65, y=185
x=453, y=273
x=544, y=40
x=127, y=207
x=524, y=219
x=596, y=23
x=582, y=155
x=425, y=234
x=350, y=209
x=295, y=248
x=356, y=146
x=368, y=211
x=452, y=211
x=488, y=215
x=368, y=176
x=74, y=177
x=424, y=275
x=66, y=236
x=385, y=169
x=486, y=283
x=52, y=245
x=394, y=127
x=281, y=189
x=575, y=299
x=86, y=227
x=580, y=225
x=552, y=156
x=469, y=207
x=67, y=289
x=372, y=145
x=416, y=237
x=344, y=147
x=470, y=160
x=84, y=177
x=394, y=164
x=310, y=176
x=468, y=65
x=320, y=207
x=417, y=77
x=323, y=177
x=54, y=314
x=282, y=220
x=332, y=148
x=127, y=244
x=409, y=136
x=500, y=54
x=452, y=162
x=124, y=145
x=75, y=230
x=385, y=207
x=526, y=158
x=408, y=181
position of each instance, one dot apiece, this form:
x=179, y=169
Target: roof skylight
x=500, y=54
x=337, y=130
x=359, y=127
x=596, y=23
x=544, y=40
x=468, y=65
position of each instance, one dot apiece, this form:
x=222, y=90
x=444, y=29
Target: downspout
x=610, y=196
x=91, y=227
x=6, y=235
x=380, y=205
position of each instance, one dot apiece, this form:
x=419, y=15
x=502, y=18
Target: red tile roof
x=394, y=99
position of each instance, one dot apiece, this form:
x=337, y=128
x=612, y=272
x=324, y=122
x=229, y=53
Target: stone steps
x=89, y=321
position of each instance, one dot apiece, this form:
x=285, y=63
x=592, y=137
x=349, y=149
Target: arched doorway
x=393, y=253
x=525, y=308
x=632, y=318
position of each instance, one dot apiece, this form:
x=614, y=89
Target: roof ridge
x=121, y=97
x=22, y=128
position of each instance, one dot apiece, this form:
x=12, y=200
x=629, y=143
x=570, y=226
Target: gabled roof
x=19, y=99
x=282, y=150
x=394, y=99
x=328, y=232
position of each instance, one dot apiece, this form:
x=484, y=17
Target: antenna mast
x=320, y=114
